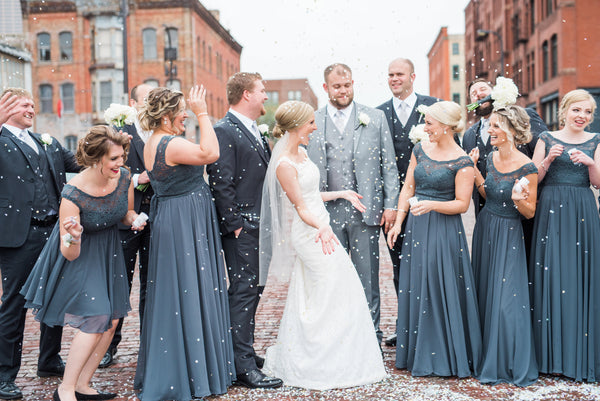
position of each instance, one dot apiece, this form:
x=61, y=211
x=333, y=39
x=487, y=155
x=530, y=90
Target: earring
x=94, y=165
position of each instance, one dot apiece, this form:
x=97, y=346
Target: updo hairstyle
x=96, y=144
x=290, y=115
x=448, y=113
x=574, y=96
x=514, y=120
x=160, y=103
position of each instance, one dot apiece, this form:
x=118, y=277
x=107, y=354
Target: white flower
x=46, y=139
x=417, y=134
x=504, y=93
x=422, y=108
x=119, y=115
x=364, y=119
x=263, y=129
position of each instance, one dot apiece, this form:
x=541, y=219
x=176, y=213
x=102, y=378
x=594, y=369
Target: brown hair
x=290, y=115
x=339, y=68
x=238, y=83
x=18, y=92
x=161, y=102
x=514, y=120
x=574, y=96
x=477, y=80
x=97, y=142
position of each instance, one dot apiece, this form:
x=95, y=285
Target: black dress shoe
x=107, y=359
x=49, y=371
x=260, y=361
x=10, y=391
x=391, y=340
x=257, y=379
x=99, y=396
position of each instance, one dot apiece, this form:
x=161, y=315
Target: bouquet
x=504, y=93
x=418, y=134
x=119, y=115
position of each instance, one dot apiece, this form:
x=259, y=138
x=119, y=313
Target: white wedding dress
x=326, y=337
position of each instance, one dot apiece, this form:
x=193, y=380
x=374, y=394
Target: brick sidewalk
x=399, y=386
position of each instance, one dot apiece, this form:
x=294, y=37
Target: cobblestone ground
x=399, y=386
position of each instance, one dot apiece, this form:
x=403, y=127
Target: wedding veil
x=276, y=254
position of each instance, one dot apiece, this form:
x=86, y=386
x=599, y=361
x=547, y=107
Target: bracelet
x=542, y=166
x=202, y=114
x=402, y=210
x=479, y=186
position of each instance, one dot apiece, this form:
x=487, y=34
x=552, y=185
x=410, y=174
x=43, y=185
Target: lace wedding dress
x=326, y=337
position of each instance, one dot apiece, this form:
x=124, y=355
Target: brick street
x=399, y=386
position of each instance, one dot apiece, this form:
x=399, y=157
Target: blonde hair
x=18, y=92
x=97, y=142
x=161, y=102
x=574, y=96
x=514, y=120
x=290, y=115
x=448, y=113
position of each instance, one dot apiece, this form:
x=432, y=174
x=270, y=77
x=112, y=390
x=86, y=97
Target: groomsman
x=236, y=181
x=32, y=171
x=402, y=115
x=135, y=242
x=477, y=137
x=353, y=149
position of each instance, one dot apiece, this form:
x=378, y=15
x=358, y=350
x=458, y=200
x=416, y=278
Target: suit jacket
x=402, y=145
x=373, y=157
x=16, y=184
x=135, y=162
x=236, y=179
x=472, y=139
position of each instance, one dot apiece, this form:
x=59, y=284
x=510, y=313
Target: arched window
x=43, y=43
x=66, y=46
x=149, y=41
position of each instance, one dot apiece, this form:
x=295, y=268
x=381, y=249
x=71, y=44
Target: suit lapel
x=358, y=127
x=19, y=144
x=249, y=136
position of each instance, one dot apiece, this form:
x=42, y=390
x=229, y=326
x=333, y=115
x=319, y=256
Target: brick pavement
x=399, y=386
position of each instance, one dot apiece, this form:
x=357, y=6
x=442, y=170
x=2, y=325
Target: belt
x=46, y=222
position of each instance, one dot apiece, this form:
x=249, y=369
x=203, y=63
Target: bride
x=326, y=337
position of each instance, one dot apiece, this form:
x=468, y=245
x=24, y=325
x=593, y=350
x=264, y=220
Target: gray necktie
x=338, y=119
x=25, y=137
x=485, y=136
x=403, y=114
x=257, y=133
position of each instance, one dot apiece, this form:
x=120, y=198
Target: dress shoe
x=99, y=396
x=260, y=361
x=391, y=341
x=257, y=379
x=107, y=359
x=10, y=391
x=49, y=371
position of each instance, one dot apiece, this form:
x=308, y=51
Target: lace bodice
x=435, y=179
x=498, y=188
x=562, y=171
x=100, y=212
x=174, y=180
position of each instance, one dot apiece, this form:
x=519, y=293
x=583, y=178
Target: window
x=550, y=110
x=294, y=95
x=71, y=143
x=43, y=42
x=273, y=97
x=554, y=53
x=545, y=60
x=455, y=72
x=456, y=98
x=65, y=40
x=106, y=94
x=549, y=7
x=67, y=95
x=108, y=40
x=171, y=44
x=455, y=49
x=531, y=16
x=173, y=84
x=149, y=43
x=45, y=98
x=152, y=82
x=209, y=58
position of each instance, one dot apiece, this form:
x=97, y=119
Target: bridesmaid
x=565, y=256
x=499, y=261
x=438, y=322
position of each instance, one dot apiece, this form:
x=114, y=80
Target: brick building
x=548, y=47
x=447, y=67
x=79, y=58
x=281, y=90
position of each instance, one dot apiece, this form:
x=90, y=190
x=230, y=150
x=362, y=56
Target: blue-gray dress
x=90, y=291
x=438, y=321
x=564, y=268
x=500, y=268
x=185, y=346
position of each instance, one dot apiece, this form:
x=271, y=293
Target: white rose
x=364, y=119
x=47, y=139
x=263, y=129
x=505, y=92
x=417, y=134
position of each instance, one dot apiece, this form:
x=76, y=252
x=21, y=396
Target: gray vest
x=340, y=155
x=45, y=197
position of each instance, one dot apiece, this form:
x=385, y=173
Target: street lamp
x=482, y=34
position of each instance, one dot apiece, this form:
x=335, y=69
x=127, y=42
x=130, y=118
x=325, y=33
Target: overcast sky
x=299, y=38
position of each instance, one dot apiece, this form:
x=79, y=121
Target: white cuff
x=135, y=179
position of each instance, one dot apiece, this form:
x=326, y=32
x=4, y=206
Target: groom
x=353, y=149
x=236, y=181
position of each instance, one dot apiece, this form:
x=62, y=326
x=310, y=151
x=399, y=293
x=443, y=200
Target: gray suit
x=371, y=171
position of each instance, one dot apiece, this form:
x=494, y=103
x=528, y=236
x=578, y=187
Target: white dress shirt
x=341, y=115
x=249, y=124
x=404, y=107
x=24, y=136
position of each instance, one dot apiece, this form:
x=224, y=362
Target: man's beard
x=484, y=111
x=339, y=105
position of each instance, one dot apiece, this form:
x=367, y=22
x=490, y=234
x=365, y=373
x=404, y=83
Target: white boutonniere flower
x=263, y=129
x=364, y=119
x=422, y=109
x=119, y=115
x=46, y=140
x=417, y=134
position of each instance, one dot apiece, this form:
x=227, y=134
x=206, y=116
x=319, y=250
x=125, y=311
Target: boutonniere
x=119, y=115
x=363, y=119
x=46, y=140
x=422, y=109
x=264, y=130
